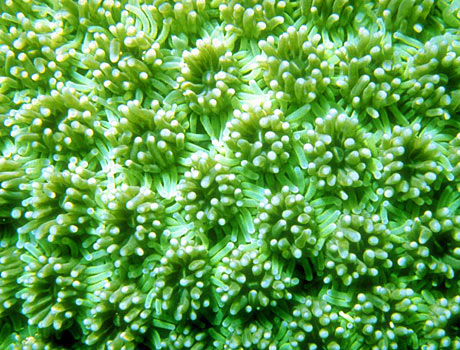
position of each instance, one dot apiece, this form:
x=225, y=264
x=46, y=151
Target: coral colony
x=229, y=174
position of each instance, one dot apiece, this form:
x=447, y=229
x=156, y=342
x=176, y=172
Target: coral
x=242, y=174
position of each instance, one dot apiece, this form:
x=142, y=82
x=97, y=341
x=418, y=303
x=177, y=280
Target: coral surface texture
x=229, y=174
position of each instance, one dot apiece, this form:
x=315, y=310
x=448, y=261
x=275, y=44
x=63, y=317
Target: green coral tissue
x=229, y=174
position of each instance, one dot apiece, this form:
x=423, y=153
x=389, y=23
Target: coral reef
x=242, y=174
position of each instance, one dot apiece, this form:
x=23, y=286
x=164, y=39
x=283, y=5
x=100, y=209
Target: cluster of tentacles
x=210, y=174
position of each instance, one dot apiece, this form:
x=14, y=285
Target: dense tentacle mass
x=241, y=174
